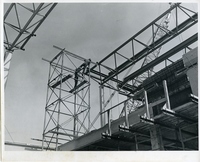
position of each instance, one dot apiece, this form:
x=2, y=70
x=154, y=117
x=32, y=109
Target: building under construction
x=158, y=108
x=147, y=91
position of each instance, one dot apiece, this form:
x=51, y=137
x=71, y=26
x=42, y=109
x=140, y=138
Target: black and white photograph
x=100, y=77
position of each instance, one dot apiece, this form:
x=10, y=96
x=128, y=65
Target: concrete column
x=147, y=104
x=166, y=95
x=156, y=138
x=126, y=115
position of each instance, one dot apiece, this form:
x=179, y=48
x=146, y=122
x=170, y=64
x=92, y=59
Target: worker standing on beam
x=84, y=67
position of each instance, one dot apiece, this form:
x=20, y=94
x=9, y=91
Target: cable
x=9, y=133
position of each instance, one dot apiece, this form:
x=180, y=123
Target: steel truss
x=135, y=50
x=17, y=32
x=67, y=110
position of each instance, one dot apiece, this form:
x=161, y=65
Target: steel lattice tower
x=67, y=110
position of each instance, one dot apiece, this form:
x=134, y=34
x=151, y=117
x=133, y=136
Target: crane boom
x=161, y=31
x=16, y=32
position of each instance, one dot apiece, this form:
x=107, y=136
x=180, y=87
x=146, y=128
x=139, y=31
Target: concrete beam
x=95, y=136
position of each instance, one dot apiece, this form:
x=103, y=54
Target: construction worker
x=76, y=78
x=83, y=67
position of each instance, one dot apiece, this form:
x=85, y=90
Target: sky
x=89, y=30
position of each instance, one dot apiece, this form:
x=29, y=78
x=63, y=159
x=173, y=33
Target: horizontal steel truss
x=148, y=49
x=163, y=57
x=67, y=112
x=166, y=55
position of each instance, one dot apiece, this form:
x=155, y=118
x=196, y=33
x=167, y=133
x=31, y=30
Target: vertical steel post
x=146, y=103
x=74, y=130
x=45, y=114
x=59, y=101
x=101, y=106
x=89, y=99
x=166, y=94
x=176, y=18
x=102, y=116
x=109, y=123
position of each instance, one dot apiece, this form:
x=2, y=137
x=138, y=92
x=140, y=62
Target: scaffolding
x=67, y=111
